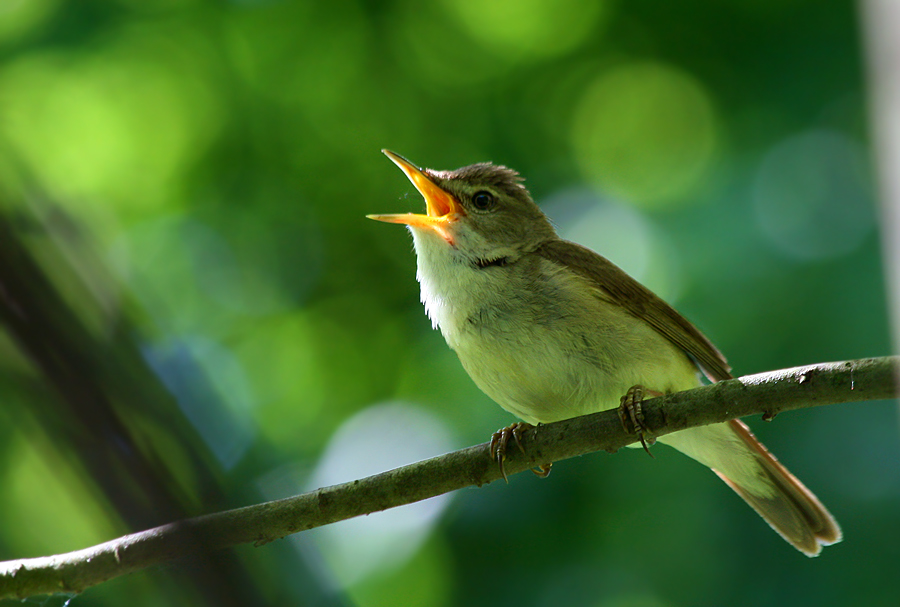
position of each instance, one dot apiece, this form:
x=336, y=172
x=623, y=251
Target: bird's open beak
x=441, y=207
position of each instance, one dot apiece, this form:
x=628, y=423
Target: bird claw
x=630, y=412
x=542, y=471
x=500, y=441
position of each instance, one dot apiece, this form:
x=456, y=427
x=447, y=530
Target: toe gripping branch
x=630, y=412
x=500, y=441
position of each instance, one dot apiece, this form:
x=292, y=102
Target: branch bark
x=766, y=393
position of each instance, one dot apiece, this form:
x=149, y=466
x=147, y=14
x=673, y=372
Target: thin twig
x=767, y=394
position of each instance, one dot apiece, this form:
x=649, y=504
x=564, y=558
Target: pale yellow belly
x=548, y=372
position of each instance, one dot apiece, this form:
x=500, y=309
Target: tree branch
x=765, y=393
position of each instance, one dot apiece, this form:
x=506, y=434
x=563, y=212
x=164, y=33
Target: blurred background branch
x=80, y=381
x=766, y=393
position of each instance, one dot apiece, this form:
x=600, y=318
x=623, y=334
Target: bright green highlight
x=645, y=132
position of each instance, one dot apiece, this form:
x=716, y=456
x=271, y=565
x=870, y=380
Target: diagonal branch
x=766, y=393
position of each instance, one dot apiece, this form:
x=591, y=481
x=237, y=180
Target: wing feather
x=625, y=291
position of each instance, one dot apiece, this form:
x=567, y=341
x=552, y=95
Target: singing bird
x=551, y=330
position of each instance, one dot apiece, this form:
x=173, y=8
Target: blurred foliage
x=212, y=319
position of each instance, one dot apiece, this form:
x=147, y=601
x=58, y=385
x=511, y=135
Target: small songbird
x=551, y=330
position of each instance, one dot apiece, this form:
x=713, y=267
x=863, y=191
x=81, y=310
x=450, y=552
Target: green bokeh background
x=193, y=179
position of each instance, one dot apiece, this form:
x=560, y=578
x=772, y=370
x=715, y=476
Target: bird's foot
x=630, y=412
x=500, y=440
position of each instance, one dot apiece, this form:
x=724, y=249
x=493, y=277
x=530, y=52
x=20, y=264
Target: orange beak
x=441, y=207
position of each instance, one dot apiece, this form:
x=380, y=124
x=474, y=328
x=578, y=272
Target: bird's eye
x=483, y=201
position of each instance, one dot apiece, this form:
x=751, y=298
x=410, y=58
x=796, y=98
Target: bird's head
x=479, y=213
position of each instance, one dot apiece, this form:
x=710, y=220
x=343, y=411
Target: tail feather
x=744, y=463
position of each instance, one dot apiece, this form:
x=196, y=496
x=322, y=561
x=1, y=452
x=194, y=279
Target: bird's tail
x=744, y=463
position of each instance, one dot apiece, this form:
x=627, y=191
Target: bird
x=551, y=330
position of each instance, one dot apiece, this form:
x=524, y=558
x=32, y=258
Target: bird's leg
x=500, y=440
x=630, y=412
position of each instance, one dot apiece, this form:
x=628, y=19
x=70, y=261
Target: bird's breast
x=540, y=341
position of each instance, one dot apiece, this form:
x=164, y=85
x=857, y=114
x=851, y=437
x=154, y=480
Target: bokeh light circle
x=381, y=437
x=528, y=28
x=812, y=196
x=645, y=132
